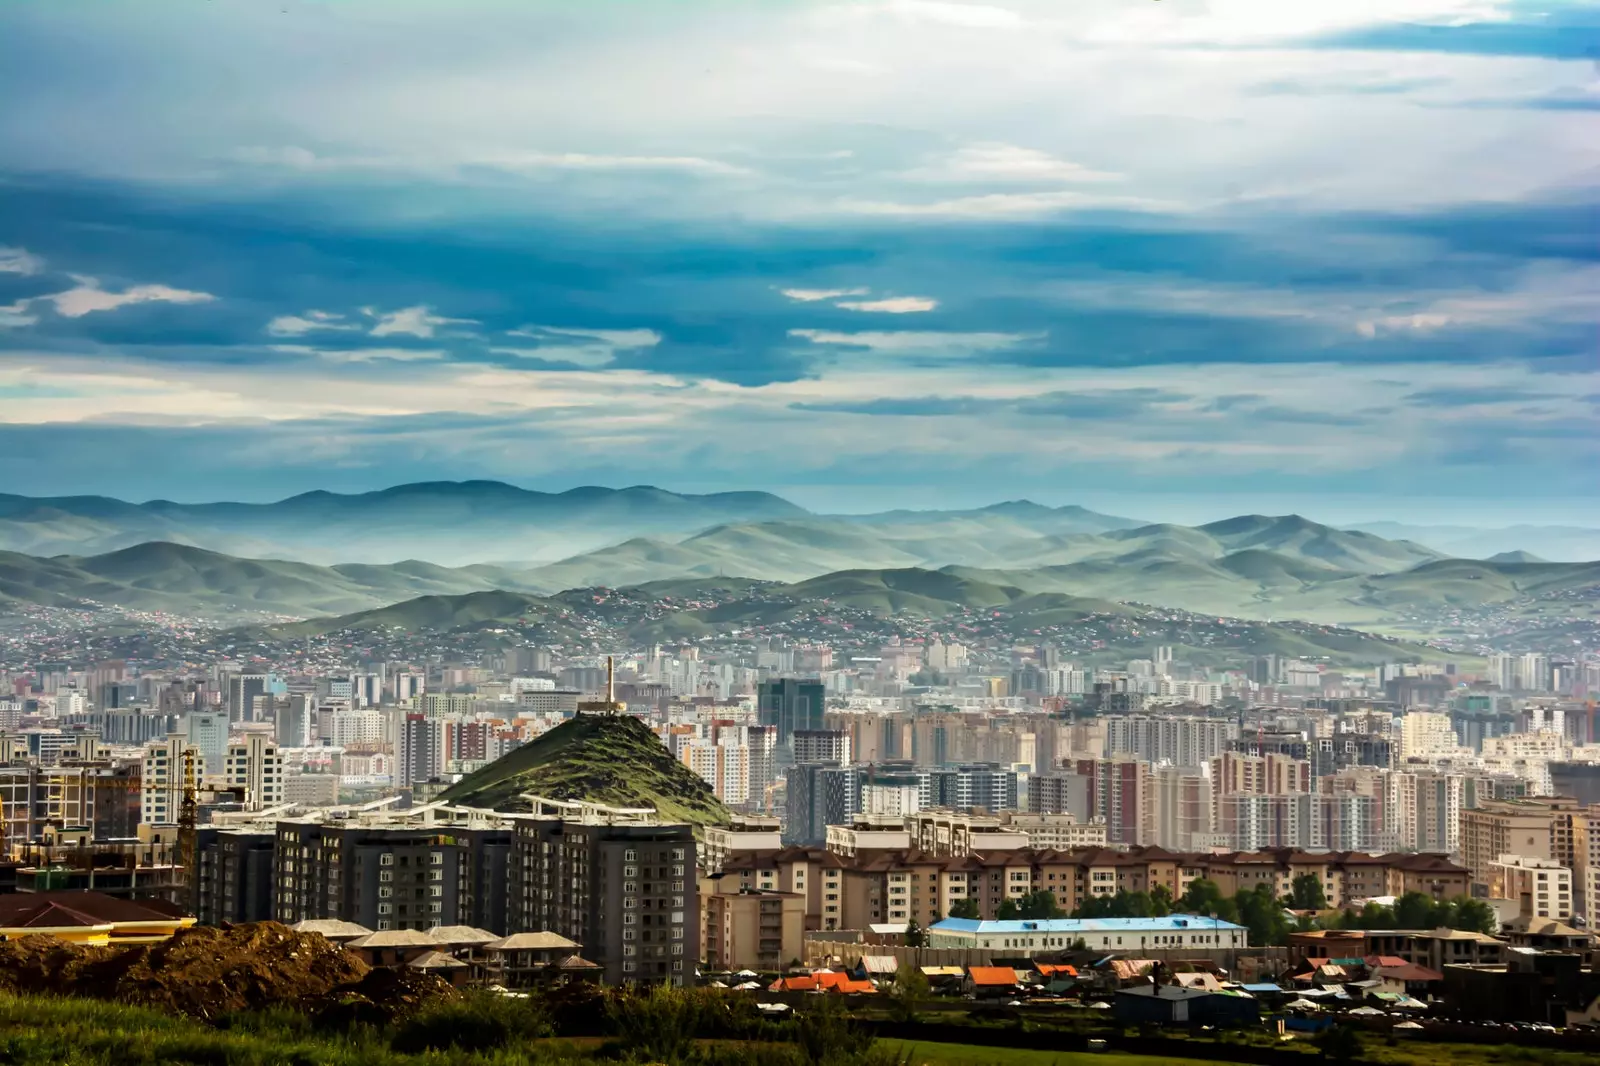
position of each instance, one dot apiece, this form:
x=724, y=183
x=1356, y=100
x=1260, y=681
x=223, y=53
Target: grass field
x=921, y=1053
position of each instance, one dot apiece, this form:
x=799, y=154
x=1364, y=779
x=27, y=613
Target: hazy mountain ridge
x=838, y=603
x=446, y=522
x=1225, y=568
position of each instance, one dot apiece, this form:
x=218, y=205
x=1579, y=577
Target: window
x=386, y=859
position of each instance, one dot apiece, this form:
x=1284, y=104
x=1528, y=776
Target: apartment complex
x=900, y=885
x=615, y=882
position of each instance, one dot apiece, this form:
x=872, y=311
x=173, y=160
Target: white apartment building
x=161, y=779
x=255, y=764
x=358, y=728
x=1424, y=810
x=723, y=766
x=1545, y=881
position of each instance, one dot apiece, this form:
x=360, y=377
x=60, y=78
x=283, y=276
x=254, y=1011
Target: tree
x=1261, y=913
x=1160, y=901
x=1040, y=903
x=1306, y=893
x=964, y=908
x=910, y=989
x=1007, y=911
x=915, y=937
x=1476, y=916
x=1339, y=1043
x=1204, y=897
x=1414, y=911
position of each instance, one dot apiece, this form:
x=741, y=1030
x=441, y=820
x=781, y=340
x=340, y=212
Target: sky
x=1183, y=257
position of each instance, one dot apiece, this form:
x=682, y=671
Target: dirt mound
x=201, y=972
x=380, y=997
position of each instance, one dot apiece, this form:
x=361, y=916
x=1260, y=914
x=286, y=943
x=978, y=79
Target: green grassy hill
x=163, y=576
x=613, y=759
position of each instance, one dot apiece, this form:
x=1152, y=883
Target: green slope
x=612, y=759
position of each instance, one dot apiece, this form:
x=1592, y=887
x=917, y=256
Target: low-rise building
x=1030, y=937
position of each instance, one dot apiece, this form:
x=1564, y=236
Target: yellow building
x=91, y=918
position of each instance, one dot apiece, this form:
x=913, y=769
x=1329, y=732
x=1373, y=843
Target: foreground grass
x=35, y=1032
x=923, y=1053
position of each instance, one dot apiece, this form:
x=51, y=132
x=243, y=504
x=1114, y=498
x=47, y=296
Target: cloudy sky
x=1179, y=257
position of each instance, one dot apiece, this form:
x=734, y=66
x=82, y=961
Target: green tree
x=1371, y=916
x=1008, y=911
x=1160, y=901
x=964, y=908
x=1040, y=903
x=1414, y=911
x=1475, y=916
x=910, y=990
x=915, y=937
x=1202, y=896
x=1306, y=893
x=1339, y=1043
x=1261, y=913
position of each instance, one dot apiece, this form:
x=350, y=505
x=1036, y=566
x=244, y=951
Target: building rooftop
x=1170, y=924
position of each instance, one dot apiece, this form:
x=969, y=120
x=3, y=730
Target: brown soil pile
x=206, y=972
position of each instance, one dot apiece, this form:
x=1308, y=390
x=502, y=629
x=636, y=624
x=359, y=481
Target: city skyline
x=1178, y=261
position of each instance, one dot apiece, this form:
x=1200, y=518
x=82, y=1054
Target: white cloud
x=88, y=297
x=1009, y=162
x=417, y=321
x=917, y=342
x=364, y=355
x=601, y=349
x=967, y=16
x=586, y=161
x=616, y=338
x=892, y=305
x=592, y=357
x=14, y=315
x=293, y=157
x=814, y=295
x=300, y=325
x=1417, y=323
x=1003, y=205
x=19, y=261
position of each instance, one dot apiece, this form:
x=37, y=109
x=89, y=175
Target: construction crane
x=187, y=811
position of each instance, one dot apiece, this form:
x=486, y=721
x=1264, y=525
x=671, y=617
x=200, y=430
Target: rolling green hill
x=612, y=759
x=162, y=576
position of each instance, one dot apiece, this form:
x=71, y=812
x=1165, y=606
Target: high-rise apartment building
x=1178, y=808
x=242, y=693
x=1179, y=740
x=392, y=876
x=791, y=704
x=420, y=750
x=162, y=779
x=1118, y=787
x=626, y=892
x=1424, y=808
x=254, y=765
x=817, y=796
x=1060, y=793
x=827, y=746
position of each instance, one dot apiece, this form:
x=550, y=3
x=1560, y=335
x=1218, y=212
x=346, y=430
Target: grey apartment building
x=625, y=892
x=392, y=876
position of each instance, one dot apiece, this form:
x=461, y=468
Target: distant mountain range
x=841, y=602
x=601, y=535
x=447, y=522
x=1560, y=543
x=1248, y=567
